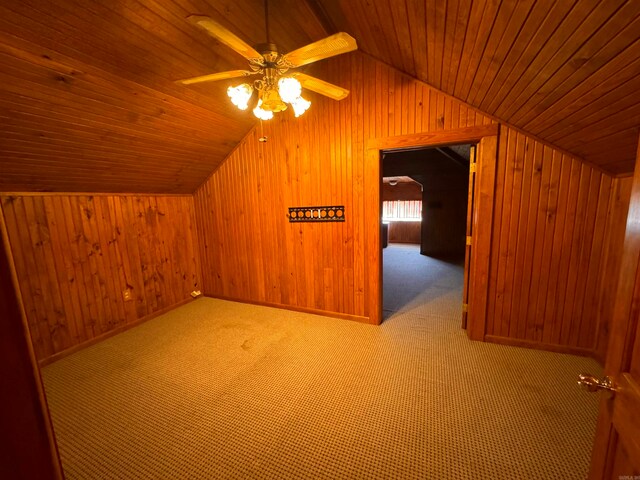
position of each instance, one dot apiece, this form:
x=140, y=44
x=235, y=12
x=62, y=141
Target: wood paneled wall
x=76, y=256
x=250, y=251
x=404, y=232
x=612, y=251
x=551, y=234
x=551, y=211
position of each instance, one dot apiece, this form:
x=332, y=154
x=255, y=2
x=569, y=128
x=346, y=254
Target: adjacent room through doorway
x=425, y=194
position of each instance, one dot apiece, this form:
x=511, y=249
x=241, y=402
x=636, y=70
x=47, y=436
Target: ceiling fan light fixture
x=300, y=105
x=271, y=100
x=276, y=87
x=289, y=89
x=240, y=95
x=261, y=113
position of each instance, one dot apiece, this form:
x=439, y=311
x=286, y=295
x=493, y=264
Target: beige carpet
x=217, y=389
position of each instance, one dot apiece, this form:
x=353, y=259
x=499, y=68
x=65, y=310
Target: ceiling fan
x=277, y=86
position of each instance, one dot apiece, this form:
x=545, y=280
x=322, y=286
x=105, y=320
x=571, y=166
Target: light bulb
x=240, y=95
x=289, y=89
x=300, y=105
x=262, y=114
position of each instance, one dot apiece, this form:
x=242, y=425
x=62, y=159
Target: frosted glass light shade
x=300, y=105
x=262, y=114
x=240, y=95
x=289, y=89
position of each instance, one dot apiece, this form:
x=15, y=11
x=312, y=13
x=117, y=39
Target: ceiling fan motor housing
x=269, y=51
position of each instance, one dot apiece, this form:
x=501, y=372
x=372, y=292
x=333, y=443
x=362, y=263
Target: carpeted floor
x=416, y=282
x=217, y=389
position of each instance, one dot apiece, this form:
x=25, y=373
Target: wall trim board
x=483, y=202
x=313, y=311
x=196, y=242
x=111, y=333
x=433, y=139
x=623, y=175
x=550, y=347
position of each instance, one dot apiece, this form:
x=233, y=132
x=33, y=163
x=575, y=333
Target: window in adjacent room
x=402, y=211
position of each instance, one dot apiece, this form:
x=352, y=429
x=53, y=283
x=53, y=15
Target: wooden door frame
x=27, y=426
x=486, y=136
x=624, y=321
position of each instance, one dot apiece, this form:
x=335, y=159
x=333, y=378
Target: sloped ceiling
x=88, y=103
x=87, y=99
x=566, y=71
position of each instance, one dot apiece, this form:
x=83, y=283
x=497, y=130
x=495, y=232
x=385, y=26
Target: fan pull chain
x=263, y=137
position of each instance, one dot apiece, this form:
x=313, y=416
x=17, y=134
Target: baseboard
x=314, y=311
x=103, y=336
x=517, y=342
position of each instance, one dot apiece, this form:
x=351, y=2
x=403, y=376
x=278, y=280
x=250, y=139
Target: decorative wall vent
x=317, y=214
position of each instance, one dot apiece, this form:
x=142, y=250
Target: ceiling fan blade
x=320, y=86
x=225, y=36
x=216, y=76
x=327, y=47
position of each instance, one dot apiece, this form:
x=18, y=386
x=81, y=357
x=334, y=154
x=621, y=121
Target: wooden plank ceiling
x=88, y=102
x=566, y=71
x=87, y=99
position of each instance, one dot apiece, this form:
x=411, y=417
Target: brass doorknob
x=592, y=384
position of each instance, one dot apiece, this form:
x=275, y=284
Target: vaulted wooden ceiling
x=88, y=103
x=87, y=98
x=566, y=71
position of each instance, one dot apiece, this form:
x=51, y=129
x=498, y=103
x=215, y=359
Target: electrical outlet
x=126, y=294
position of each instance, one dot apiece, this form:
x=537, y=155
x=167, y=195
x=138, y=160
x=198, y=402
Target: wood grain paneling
x=78, y=256
x=555, y=222
x=552, y=212
x=251, y=252
x=405, y=232
x=483, y=215
x=564, y=71
x=88, y=101
x=612, y=251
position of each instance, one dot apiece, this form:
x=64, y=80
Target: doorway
x=485, y=138
x=424, y=204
